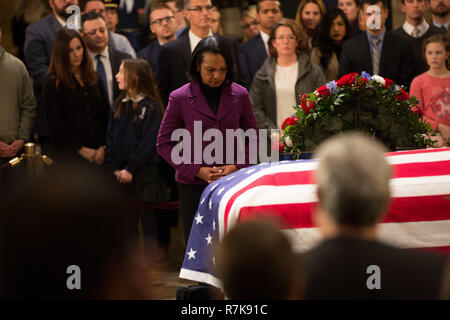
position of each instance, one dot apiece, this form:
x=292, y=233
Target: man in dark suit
x=255, y=51
x=106, y=61
x=163, y=26
x=37, y=51
x=378, y=51
x=174, y=57
x=415, y=29
x=350, y=263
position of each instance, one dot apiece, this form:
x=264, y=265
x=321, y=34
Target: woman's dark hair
x=139, y=77
x=211, y=44
x=324, y=42
x=60, y=61
x=296, y=31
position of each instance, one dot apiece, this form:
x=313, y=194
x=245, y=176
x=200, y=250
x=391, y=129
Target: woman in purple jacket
x=202, y=109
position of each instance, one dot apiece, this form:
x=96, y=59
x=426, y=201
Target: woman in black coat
x=76, y=102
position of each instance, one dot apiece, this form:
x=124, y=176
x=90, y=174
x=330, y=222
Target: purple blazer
x=188, y=104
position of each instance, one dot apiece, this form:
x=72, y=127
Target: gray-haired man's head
x=353, y=179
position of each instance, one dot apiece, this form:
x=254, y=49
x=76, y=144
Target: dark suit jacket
x=151, y=54
x=173, y=64
x=116, y=57
x=396, y=61
x=37, y=51
x=337, y=269
x=253, y=54
x=416, y=44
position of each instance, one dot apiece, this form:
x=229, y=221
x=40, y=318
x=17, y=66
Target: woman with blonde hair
x=250, y=24
x=215, y=21
x=309, y=13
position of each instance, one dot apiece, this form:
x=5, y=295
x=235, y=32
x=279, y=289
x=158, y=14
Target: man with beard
x=163, y=26
x=37, y=51
x=440, y=13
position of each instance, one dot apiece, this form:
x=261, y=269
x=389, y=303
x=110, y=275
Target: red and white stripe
x=418, y=217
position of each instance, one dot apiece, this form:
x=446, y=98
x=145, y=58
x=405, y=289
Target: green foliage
x=382, y=110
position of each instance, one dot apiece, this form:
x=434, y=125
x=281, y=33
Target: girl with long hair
x=76, y=102
x=432, y=88
x=131, y=147
x=133, y=129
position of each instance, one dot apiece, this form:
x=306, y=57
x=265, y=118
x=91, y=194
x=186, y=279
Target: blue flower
x=332, y=87
x=366, y=75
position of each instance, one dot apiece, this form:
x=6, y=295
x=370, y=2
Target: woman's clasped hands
x=211, y=174
x=96, y=156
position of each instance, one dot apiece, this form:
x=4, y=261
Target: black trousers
x=190, y=198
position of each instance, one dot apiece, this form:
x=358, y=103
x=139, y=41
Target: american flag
x=418, y=217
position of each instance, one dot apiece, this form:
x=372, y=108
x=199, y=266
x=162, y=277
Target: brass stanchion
x=34, y=161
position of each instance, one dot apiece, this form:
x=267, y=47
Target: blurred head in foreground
x=353, y=185
x=49, y=225
x=255, y=261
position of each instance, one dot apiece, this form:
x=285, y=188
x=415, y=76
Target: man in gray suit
x=37, y=50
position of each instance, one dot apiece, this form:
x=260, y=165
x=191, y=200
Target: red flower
x=305, y=108
x=388, y=83
x=281, y=147
x=402, y=95
x=323, y=91
x=347, y=80
x=289, y=122
x=418, y=111
x=363, y=82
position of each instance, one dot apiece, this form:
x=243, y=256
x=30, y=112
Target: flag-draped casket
x=418, y=216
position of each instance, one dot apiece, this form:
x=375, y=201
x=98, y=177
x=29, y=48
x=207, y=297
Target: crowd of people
x=109, y=94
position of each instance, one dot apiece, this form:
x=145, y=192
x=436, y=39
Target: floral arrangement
x=371, y=104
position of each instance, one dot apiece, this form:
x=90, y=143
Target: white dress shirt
x=61, y=21
x=423, y=28
x=265, y=38
x=108, y=70
x=194, y=39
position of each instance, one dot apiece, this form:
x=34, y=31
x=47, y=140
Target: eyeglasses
x=160, y=21
x=200, y=8
x=252, y=23
x=289, y=37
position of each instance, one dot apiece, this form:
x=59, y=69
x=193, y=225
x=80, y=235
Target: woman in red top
x=432, y=88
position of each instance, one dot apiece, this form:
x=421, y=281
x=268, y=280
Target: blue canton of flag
x=199, y=261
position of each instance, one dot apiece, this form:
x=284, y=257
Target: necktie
x=375, y=56
x=415, y=33
x=101, y=71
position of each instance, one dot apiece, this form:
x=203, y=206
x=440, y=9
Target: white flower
x=378, y=79
x=288, y=141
